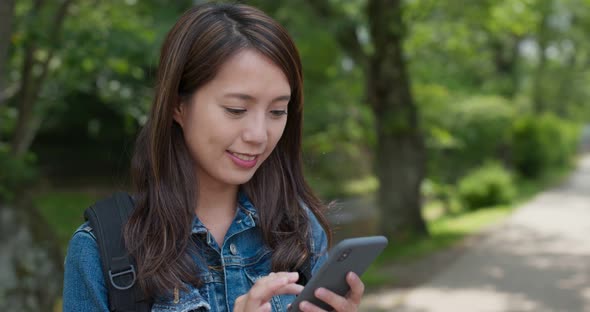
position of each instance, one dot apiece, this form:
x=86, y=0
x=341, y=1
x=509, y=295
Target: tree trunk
x=31, y=265
x=25, y=101
x=28, y=122
x=400, y=161
x=25, y=97
x=6, y=18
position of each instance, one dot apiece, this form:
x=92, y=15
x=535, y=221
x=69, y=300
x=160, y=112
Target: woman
x=223, y=216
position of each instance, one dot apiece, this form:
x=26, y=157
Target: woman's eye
x=235, y=111
x=278, y=113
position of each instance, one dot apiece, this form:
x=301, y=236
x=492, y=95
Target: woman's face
x=232, y=123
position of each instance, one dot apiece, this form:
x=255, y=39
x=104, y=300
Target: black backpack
x=107, y=218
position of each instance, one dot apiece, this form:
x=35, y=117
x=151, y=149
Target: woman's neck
x=216, y=208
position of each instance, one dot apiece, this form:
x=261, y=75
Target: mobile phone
x=350, y=255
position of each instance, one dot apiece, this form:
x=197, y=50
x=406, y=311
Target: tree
x=399, y=152
x=400, y=146
x=59, y=58
x=32, y=278
x=31, y=83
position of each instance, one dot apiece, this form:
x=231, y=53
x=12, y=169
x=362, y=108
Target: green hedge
x=466, y=133
x=488, y=185
x=543, y=142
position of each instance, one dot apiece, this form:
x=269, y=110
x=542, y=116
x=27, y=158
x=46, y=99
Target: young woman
x=223, y=216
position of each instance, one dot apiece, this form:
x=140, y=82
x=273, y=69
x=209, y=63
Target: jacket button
x=233, y=249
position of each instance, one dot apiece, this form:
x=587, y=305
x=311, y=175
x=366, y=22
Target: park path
x=536, y=260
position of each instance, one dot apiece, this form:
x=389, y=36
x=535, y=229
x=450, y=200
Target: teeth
x=244, y=157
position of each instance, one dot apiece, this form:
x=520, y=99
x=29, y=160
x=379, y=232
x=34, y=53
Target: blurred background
x=425, y=120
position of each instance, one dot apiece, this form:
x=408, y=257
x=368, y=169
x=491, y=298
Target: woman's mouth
x=243, y=160
x=245, y=157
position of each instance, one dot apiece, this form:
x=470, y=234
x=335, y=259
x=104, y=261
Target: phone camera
x=344, y=255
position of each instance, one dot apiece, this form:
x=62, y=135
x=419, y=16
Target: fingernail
x=320, y=292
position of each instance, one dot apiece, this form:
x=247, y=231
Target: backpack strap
x=107, y=218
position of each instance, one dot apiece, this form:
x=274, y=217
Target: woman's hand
x=350, y=303
x=258, y=298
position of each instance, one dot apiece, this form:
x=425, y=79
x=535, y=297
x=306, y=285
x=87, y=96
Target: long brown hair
x=158, y=233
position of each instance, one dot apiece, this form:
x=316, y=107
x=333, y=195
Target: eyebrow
x=247, y=97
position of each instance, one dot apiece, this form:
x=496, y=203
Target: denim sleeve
x=84, y=287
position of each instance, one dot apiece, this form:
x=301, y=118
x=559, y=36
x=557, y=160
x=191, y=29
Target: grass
x=64, y=211
x=362, y=186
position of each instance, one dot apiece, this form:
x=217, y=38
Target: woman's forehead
x=250, y=74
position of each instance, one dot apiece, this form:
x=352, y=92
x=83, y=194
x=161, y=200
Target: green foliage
x=338, y=133
x=462, y=133
x=456, y=53
x=7, y=121
x=489, y=185
x=441, y=195
x=107, y=50
x=15, y=173
x=98, y=85
x=482, y=125
x=513, y=17
x=543, y=142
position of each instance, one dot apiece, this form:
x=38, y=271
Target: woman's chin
x=239, y=179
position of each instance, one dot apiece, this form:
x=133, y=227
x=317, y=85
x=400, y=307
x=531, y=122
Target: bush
x=543, y=142
x=465, y=133
x=486, y=186
x=15, y=173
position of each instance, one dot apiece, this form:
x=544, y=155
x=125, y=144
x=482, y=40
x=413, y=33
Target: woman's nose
x=256, y=130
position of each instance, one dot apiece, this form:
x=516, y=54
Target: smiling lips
x=243, y=160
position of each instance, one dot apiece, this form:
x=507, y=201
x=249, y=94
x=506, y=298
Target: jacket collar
x=245, y=207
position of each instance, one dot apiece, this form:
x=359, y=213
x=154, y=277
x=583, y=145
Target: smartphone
x=350, y=255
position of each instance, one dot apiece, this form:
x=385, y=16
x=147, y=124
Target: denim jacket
x=230, y=272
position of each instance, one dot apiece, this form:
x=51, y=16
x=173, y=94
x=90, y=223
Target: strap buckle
x=130, y=270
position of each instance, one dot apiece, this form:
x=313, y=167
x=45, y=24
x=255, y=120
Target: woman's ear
x=179, y=112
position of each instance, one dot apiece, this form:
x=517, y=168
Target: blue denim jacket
x=231, y=269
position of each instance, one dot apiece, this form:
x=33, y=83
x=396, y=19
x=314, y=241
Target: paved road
x=538, y=260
